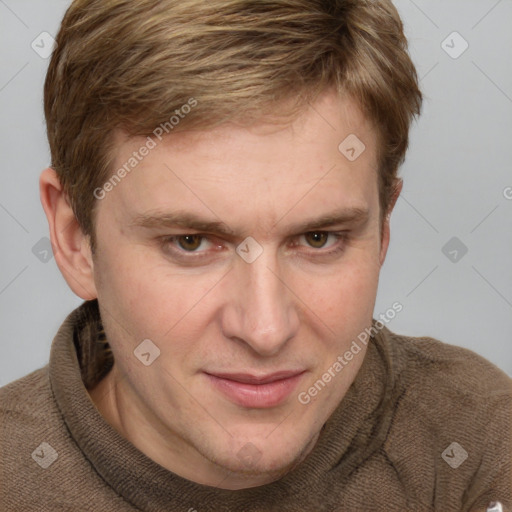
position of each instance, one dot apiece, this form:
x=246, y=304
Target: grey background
x=457, y=177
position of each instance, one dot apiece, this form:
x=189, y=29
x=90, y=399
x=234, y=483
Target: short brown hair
x=129, y=64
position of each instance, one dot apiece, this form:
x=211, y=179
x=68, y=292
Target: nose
x=261, y=311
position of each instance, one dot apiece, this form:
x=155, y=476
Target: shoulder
x=28, y=412
x=450, y=388
x=435, y=367
x=26, y=400
x=452, y=411
x=37, y=450
x=30, y=428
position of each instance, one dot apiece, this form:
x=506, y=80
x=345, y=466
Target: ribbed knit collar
x=355, y=430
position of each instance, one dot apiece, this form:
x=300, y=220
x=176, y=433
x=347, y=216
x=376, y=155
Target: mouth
x=256, y=391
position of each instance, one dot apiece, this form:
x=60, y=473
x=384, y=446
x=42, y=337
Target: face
x=249, y=257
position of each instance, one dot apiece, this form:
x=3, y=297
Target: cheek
x=149, y=299
x=345, y=295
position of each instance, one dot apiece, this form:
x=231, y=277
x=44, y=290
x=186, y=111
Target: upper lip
x=248, y=378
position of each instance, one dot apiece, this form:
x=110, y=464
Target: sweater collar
x=357, y=428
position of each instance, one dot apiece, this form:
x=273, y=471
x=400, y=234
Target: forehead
x=325, y=157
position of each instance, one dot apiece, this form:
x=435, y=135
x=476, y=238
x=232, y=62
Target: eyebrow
x=188, y=220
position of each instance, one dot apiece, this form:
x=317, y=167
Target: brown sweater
x=387, y=447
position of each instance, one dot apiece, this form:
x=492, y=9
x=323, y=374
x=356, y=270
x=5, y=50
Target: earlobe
x=397, y=189
x=70, y=246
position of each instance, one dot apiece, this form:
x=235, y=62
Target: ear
x=71, y=247
x=397, y=189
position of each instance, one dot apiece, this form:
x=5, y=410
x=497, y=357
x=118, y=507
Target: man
x=223, y=175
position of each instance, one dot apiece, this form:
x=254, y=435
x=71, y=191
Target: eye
x=193, y=245
x=197, y=249
x=189, y=243
x=318, y=239
x=322, y=245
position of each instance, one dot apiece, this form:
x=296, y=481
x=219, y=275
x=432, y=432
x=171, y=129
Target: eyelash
x=337, y=248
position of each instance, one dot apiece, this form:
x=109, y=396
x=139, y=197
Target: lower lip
x=256, y=395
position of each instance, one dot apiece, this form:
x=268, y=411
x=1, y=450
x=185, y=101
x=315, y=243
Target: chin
x=267, y=455
x=255, y=472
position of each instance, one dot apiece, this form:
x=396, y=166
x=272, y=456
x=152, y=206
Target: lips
x=254, y=379
x=256, y=391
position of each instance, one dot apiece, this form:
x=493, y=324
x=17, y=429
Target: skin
x=294, y=307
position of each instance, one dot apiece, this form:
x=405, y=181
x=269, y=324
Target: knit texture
x=383, y=449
